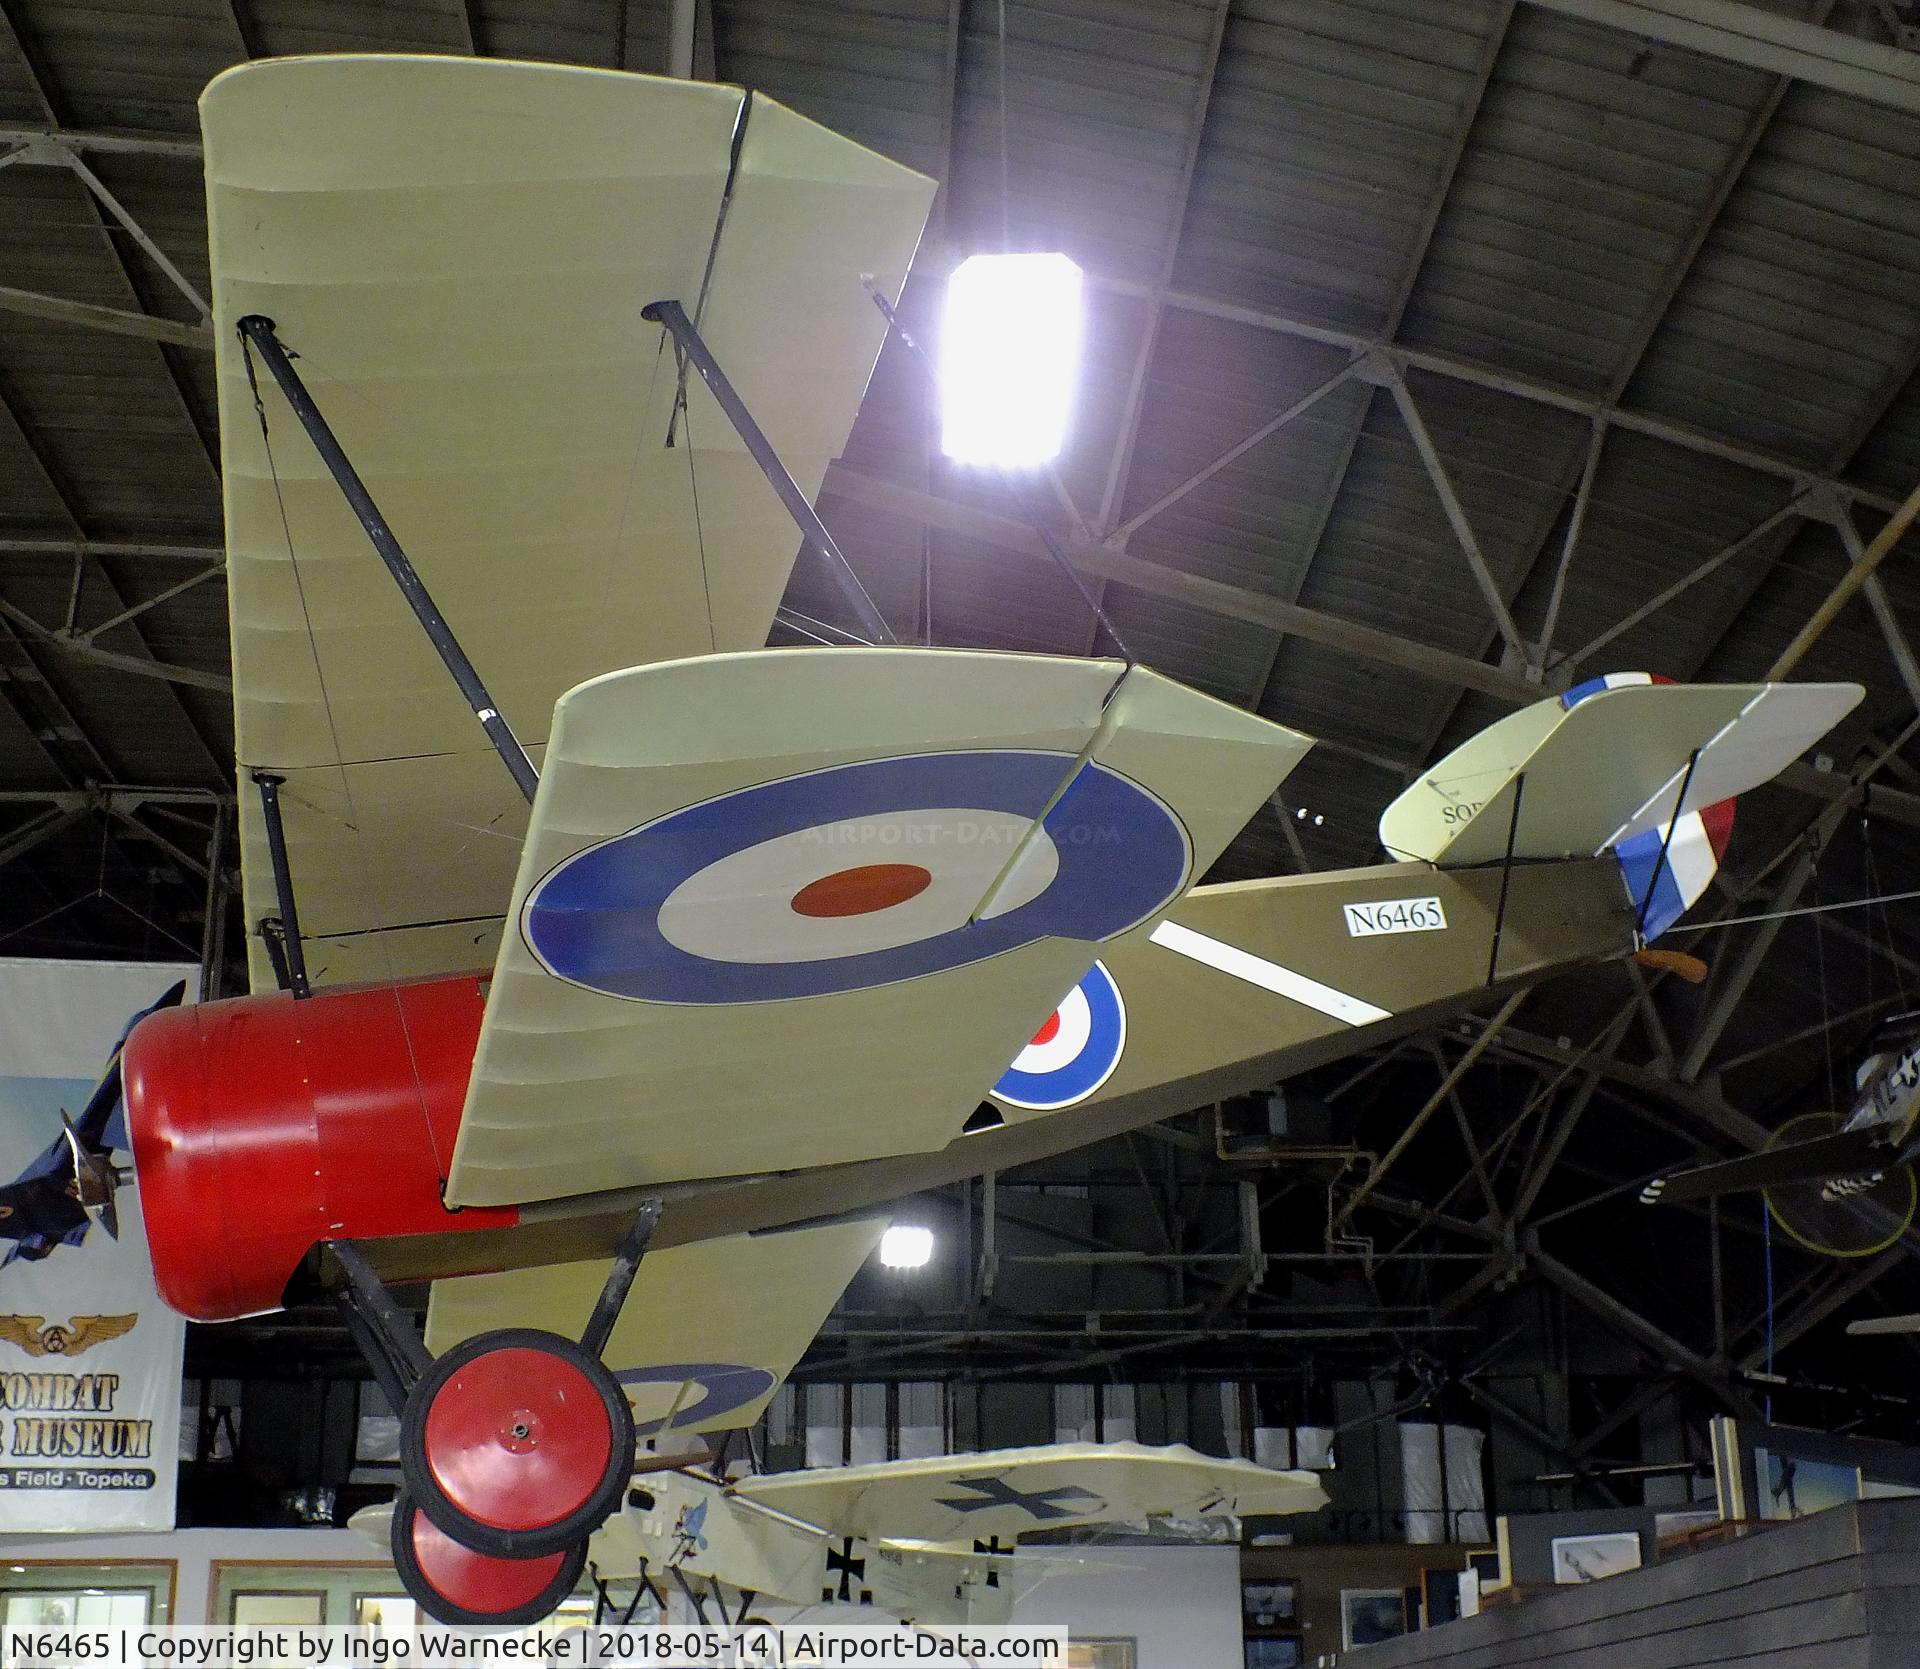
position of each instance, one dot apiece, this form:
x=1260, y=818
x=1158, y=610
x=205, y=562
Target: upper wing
x=789, y=909
x=958, y=1498
x=708, y=1330
x=1844, y=1153
x=1608, y=767
x=458, y=251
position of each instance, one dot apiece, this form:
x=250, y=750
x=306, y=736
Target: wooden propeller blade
x=1689, y=968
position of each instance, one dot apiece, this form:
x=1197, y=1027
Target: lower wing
x=708, y=1331
x=1845, y=1153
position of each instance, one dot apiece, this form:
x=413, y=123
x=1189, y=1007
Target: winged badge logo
x=81, y=1333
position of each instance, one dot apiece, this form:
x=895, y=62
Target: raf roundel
x=693, y=1393
x=1075, y=1052
x=859, y=875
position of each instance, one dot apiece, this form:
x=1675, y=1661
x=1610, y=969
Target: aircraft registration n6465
x=612, y=971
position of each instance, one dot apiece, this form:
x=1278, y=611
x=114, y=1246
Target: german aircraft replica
x=1842, y=1186
x=928, y=1541
x=527, y=375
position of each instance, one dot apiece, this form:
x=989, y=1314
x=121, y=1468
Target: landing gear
x=517, y=1443
x=455, y=1584
x=515, y=1446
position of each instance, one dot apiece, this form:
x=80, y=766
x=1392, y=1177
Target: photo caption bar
x=754, y=1646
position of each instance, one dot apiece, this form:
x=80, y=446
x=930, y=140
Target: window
x=65, y=1593
x=77, y=1607
x=271, y=1608
x=387, y=1611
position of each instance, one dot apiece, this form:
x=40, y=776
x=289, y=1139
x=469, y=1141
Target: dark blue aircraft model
x=70, y=1184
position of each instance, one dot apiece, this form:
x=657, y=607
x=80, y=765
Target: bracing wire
x=1766, y=1255
x=1006, y=235
x=353, y=822
x=699, y=525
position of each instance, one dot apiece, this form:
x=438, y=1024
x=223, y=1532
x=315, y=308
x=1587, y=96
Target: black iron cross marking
x=851, y=1570
x=992, y=1545
x=1042, y=1503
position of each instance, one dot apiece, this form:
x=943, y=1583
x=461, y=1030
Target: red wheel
x=517, y=1443
x=457, y=1585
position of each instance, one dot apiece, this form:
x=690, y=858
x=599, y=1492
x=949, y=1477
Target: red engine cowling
x=263, y=1125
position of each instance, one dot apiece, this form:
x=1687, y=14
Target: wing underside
x=788, y=909
x=458, y=252
x=1845, y=1153
x=963, y=1498
x=709, y=1330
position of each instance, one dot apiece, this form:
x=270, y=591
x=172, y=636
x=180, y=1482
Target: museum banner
x=90, y=1359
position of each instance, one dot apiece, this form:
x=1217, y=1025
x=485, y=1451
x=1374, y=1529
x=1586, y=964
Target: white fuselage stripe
x=1269, y=976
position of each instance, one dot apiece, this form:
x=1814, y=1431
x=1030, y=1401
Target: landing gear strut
x=515, y=1446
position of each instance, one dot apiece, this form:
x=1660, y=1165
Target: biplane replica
x=928, y=1541
x=612, y=971
x=1841, y=1185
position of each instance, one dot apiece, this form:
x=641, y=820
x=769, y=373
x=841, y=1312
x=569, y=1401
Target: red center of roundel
x=1048, y=1032
x=862, y=891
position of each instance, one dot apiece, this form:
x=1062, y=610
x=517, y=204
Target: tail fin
x=1662, y=892
x=1606, y=765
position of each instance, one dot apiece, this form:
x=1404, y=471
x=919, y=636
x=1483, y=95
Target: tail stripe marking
x=1269, y=976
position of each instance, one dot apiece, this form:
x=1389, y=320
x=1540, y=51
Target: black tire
x=444, y=1608
x=424, y=1488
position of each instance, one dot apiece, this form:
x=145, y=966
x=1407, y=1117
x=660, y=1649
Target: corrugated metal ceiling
x=1552, y=218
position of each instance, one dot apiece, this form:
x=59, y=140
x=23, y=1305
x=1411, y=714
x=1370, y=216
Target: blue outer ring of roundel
x=727, y=1387
x=595, y=919
x=1078, y=1078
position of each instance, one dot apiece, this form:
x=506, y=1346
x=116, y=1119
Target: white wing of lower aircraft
x=960, y=1499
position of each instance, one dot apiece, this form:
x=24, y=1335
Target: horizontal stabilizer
x=709, y=1330
x=1845, y=1153
x=980, y=1497
x=1589, y=770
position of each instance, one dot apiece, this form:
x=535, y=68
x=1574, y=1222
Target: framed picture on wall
x=1792, y=1488
x=1370, y=1615
x=1101, y=1654
x=277, y=1607
x=1589, y=1558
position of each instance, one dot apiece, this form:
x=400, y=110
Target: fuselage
x=262, y=1126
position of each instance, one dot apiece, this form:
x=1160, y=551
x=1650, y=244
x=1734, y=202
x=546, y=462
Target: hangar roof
x=1438, y=355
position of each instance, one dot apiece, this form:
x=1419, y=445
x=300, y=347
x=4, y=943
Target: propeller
x=95, y=1176
x=69, y=1186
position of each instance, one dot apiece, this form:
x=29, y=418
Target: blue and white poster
x=90, y=1359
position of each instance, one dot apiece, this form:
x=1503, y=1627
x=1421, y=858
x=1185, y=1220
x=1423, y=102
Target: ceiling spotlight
x=1009, y=359
x=904, y=1247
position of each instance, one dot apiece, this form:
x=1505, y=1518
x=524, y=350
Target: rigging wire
x=699, y=523
x=353, y=822
x=1877, y=899
x=1766, y=1254
x=1006, y=237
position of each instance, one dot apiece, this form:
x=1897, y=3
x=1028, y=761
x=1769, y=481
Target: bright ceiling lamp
x=1009, y=359
x=903, y=1247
